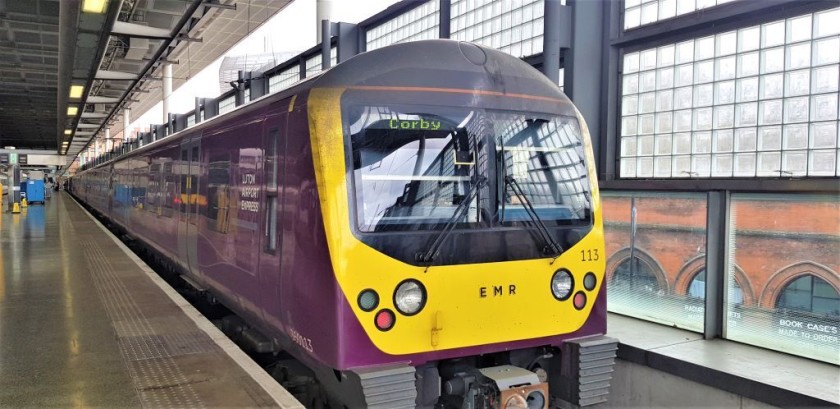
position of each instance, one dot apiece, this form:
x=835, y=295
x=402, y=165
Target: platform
x=85, y=323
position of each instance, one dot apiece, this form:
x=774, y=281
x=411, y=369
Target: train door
x=111, y=174
x=189, y=203
x=274, y=136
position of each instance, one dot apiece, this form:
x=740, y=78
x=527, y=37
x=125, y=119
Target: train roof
x=444, y=64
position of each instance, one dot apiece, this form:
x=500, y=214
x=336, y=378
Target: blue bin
x=35, y=191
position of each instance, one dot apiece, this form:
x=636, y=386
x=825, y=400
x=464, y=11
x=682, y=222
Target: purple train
x=420, y=226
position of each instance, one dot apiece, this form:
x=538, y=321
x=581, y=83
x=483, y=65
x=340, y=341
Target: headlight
x=536, y=400
x=562, y=284
x=516, y=402
x=410, y=297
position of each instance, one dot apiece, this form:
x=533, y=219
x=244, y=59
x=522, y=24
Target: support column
x=717, y=264
x=167, y=90
x=14, y=189
x=551, y=44
x=348, y=41
x=323, y=11
x=109, y=143
x=584, y=68
x=445, y=18
x=126, y=124
x=240, y=86
x=326, y=44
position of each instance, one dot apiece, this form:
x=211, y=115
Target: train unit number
x=301, y=340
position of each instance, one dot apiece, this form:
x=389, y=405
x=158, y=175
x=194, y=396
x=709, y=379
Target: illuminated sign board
x=414, y=124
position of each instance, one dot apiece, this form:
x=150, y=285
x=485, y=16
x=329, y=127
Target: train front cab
x=464, y=226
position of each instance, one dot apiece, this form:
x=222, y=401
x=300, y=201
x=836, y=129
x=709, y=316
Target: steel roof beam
x=141, y=31
x=216, y=4
x=162, y=51
x=115, y=75
x=93, y=115
x=102, y=100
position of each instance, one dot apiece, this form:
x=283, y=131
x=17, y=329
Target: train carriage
x=419, y=225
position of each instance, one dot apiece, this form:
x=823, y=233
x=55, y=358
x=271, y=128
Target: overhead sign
x=23, y=159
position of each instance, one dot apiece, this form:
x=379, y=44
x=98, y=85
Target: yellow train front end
x=410, y=307
x=462, y=224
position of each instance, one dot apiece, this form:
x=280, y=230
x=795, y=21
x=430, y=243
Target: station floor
x=84, y=323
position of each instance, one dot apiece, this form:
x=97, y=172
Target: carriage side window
x=168, y=195
x=271, y=176
x=183, y=198
x=153, y=189
x=218, y=192
x=141, y=183
x=193, y=197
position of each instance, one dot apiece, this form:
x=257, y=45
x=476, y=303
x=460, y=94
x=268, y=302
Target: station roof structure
x=69, y=67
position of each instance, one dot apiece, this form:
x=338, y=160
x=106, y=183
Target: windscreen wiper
x=429, y=256
x=551, y=247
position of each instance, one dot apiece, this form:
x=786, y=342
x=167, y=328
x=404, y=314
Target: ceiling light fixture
x=68, y=131
x=94, y=6
x=76, y=91
x=72, y=111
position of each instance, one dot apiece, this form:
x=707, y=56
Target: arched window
x=697, y=288
x=812, y=294
x=634, y=275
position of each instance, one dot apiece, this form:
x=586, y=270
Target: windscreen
x=422, y=167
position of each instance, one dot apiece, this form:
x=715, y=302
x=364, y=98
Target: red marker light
x=384, y=320
x=580, y=300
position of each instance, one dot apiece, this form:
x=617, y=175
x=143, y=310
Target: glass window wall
x=758, y=101
x=787, y=246
x=654, y=259
x=284, y=79
x=226, y=105
x=515, y=27
x=313, y=64
x=419, y=23
x=638, y=13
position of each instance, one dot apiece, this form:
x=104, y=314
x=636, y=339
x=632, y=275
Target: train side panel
x=229, y=237
x=154, y=221
x=288, y=292
x=274, y=143
x=309, y=294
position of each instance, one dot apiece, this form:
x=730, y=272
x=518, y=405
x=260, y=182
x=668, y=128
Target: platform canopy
x=69, y=67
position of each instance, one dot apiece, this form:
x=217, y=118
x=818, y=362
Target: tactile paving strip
x=139, y=347
x=167, y=356
x=153, y=370
x=186, y=343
